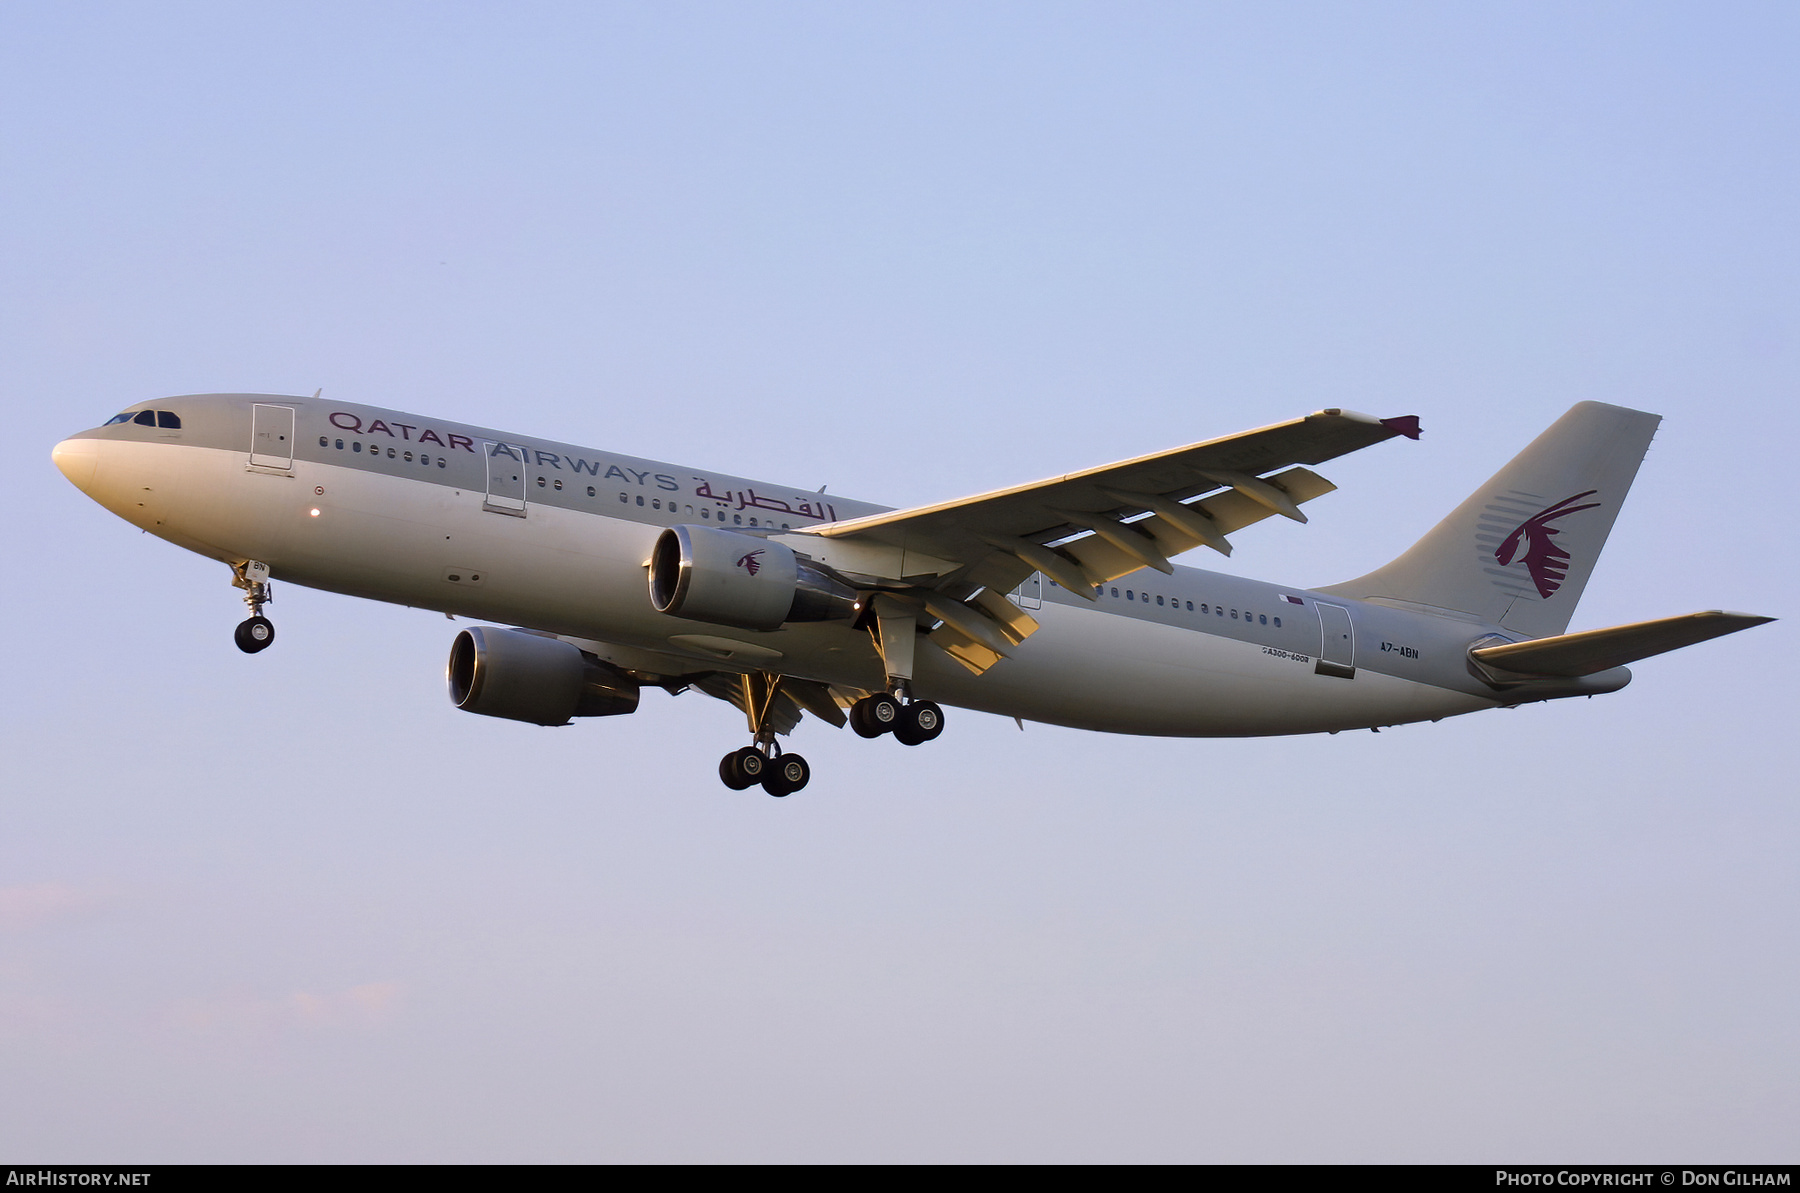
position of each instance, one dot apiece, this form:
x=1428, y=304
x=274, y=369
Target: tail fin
x=1519, y=551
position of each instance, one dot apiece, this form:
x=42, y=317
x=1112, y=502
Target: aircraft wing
x=1085, y=528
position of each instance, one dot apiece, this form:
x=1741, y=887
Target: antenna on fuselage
x=317, y=392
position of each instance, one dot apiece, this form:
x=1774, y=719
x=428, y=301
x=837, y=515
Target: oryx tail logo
x=1533, y=540
x=750, y=563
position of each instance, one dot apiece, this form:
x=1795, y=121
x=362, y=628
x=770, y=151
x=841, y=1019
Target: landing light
x=314, y=513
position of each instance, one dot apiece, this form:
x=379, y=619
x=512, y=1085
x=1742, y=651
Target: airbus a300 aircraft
x=1053, y=602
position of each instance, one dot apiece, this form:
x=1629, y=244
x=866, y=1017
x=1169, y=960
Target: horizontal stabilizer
x=1592, y=651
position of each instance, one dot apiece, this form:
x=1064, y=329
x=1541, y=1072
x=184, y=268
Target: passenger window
x=1190, y=606
x=145, y=418
x=324, y=442
x=1129, y=595
x=541, y=482
x=1278, y=623
x=1159, y=600
x=640, y=499
x=408, y=457
x=559, y=485
x=737, y=519
x=340, y=445
x=624, y=499
x=390, y=453
x=706, y=513
x=425, y=459
x=1262, y=619
x=440, y=461
x=1115, y=592
x=590, y=490
x=1234, y=615
x=357, y=446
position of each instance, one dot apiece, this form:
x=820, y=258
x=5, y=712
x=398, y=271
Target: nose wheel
x=256, y=633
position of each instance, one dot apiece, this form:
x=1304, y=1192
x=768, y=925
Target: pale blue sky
x=296, y=907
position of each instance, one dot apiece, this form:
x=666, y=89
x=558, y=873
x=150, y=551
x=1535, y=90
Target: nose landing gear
x=257, y=632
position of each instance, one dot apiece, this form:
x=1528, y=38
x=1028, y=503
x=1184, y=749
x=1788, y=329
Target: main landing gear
x=763, y=762
x=913, y=723
x=257, y=632
x=895, y=629
x=780, y=775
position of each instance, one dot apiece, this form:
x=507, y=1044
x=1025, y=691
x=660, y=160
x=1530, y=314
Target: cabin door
x=272, y=437
x=505, y=480
x=1337, y=651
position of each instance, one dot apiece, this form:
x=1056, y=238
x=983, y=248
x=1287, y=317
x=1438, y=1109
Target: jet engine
x=531, y=677
x=742, y=580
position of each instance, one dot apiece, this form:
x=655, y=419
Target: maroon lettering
x=462, y=441
x=406, y=431
x=430, y=436
x=378, y=425
x=355, y=423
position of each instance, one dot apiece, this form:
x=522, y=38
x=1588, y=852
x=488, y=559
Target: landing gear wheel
x=919, y=722
x=254, y=634
x=786, y=775
x=743, y=768
x=873, y=716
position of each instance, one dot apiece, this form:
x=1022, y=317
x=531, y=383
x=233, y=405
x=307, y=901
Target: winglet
x=1406, y=424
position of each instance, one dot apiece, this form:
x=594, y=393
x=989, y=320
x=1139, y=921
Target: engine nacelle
x=529, y=677
x=742, y=580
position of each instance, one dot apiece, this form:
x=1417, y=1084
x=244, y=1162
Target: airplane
x=1056, y=601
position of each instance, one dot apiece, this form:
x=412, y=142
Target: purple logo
x=750, y=563
x=1547, y=562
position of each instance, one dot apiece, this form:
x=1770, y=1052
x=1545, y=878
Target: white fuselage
x=1201, y=654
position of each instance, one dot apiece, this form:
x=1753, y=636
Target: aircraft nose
x=76, y=459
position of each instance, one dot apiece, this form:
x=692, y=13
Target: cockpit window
x=116, y=419
x=145, y=418
x=168, y=419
